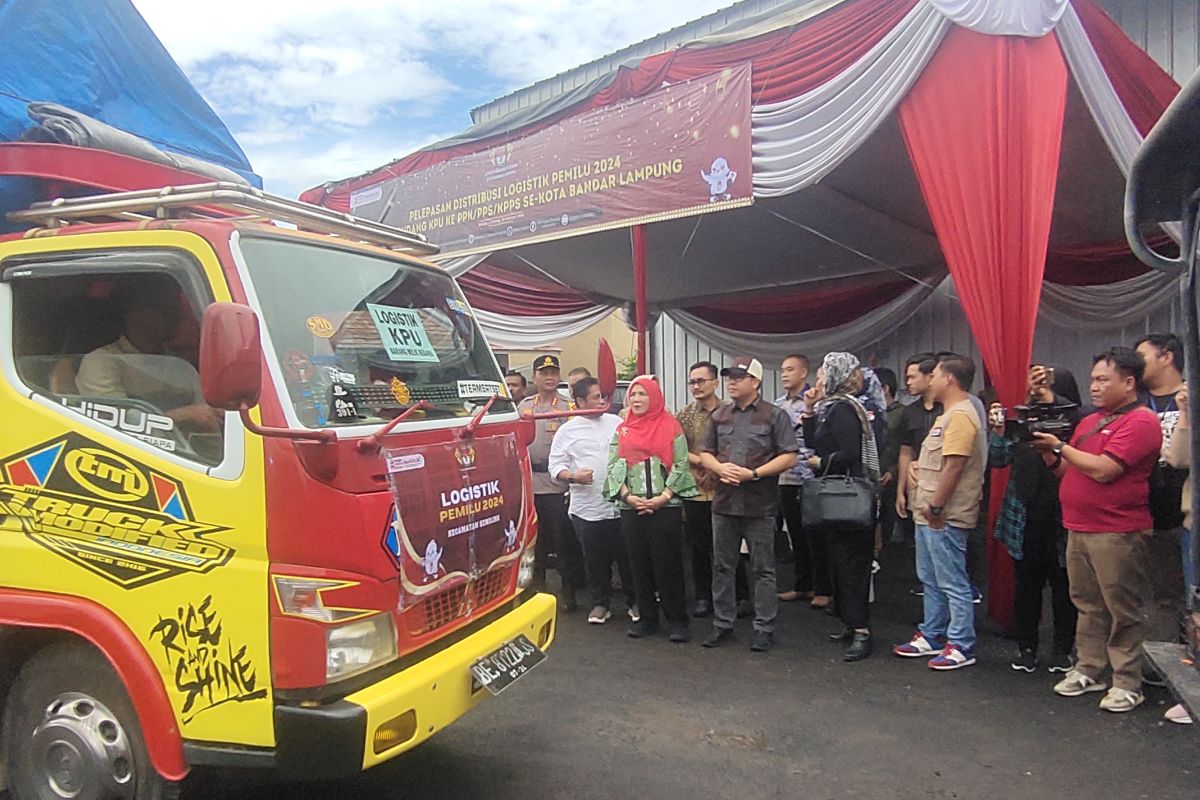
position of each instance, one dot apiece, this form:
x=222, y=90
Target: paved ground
x=610, y=717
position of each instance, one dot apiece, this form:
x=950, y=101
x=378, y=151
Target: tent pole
x=639, y=283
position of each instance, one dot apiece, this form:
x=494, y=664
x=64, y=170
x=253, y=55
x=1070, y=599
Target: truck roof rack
x=219, y=201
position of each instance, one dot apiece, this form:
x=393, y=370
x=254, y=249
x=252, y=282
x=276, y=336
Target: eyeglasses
x=700, y=381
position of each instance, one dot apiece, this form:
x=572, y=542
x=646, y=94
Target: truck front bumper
x=387, y=718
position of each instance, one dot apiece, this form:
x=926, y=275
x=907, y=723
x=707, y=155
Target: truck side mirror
x=230, y=356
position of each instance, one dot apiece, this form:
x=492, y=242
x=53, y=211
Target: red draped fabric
x=502, y=291
x=985, y=152
x=1144, y=88
x=801, y=309
x=1100, y=263
x=784, y=63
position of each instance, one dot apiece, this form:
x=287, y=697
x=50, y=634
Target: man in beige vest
x=945, y=504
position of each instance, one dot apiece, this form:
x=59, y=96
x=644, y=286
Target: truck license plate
x=502, y=667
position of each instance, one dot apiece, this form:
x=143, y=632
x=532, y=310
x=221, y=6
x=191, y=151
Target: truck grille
x=444, y=607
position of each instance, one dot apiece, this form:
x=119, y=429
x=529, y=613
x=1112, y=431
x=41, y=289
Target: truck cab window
x=121, y=349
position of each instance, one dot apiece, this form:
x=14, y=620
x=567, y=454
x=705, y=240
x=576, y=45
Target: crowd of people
x=1096, y=504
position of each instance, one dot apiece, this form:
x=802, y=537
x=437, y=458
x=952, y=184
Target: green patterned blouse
x=648, y=478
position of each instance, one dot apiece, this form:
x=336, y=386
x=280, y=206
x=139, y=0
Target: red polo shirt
x=1123, y=506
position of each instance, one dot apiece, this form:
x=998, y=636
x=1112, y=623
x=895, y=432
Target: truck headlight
x=359, y=646
x=525, y=571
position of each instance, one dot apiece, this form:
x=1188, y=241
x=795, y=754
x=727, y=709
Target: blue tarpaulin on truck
x=99, y=57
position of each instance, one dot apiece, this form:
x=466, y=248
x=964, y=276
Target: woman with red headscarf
x=647, y=475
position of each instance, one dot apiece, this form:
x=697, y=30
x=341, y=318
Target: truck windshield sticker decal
x=208, y=669
x=402, y=333
x=133, y=421
x=481, y=389
x=106, y=513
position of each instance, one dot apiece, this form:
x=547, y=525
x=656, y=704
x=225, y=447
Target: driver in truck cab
x=139, y=365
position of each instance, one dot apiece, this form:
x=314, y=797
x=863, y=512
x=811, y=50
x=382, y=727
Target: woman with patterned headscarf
x=648, y=474
x=837, y=428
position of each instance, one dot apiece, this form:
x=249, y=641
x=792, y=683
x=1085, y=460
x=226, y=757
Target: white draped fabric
x=1117, y=304
x=799, y=141
x=773, y=347
x=1117, y=129
x=457, y=267
x=1112, y=305
x=1004, y=17
x=532, y=333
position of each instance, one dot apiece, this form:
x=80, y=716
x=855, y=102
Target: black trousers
x=888, y=521
x=851, y=552
x=1043, y=564
x=555, y=535
x=604, y=545
x=697, y=521
x=789, y=503
x=655, y=546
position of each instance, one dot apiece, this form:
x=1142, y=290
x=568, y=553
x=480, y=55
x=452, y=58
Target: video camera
x=1052, y=419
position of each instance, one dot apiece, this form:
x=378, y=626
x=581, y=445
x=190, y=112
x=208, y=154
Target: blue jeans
x=942, y=569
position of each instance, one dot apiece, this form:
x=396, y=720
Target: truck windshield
x=360, y=338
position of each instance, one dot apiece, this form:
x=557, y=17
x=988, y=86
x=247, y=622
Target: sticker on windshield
x=403, y=334
x=342, y=404
x=470, y=389
x=319, y=327
x=457, y=305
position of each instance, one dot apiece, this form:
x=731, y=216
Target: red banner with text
x=458, y=512
x=682, y=150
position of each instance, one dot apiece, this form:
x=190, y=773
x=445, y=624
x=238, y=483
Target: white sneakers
x=1116, y=699
x=1076, y=683
x=599, y=615
x=1119, y=700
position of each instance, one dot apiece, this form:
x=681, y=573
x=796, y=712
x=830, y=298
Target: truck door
x=117, y=483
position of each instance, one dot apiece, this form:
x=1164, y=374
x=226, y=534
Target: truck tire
x=72, y=732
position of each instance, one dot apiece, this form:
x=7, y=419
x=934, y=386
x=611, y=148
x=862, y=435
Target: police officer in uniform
x=555, y=533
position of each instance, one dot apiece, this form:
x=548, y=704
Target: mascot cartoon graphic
x=719, y=178
x=432, y=560
x=510, y=537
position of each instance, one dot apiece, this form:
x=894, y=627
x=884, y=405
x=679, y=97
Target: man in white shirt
x=579, y=457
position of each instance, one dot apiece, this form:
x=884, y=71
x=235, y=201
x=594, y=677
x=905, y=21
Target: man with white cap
x=749, y=443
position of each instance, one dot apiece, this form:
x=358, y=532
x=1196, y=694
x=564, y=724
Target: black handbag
x=837, y=501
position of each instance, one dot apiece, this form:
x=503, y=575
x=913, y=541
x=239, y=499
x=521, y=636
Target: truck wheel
x=71, y=732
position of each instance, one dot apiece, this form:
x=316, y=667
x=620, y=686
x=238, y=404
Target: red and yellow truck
x=264, y=500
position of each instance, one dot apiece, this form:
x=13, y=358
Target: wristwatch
x=754, y=474
x=1058, y=448
x=936, y=510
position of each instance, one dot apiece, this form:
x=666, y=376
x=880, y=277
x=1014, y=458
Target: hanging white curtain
x=799, y=141
x=532, y=333
x=1004, y=17
x=773, y=347
x=1117, y=304
x=1113, y=305
x=457, y=267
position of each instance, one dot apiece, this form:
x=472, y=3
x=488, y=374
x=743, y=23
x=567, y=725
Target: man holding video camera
x=1029, y=524
x=1105, y=492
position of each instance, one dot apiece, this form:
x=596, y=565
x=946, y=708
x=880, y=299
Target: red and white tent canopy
x=894, y=142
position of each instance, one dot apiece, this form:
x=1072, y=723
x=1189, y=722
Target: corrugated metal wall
x=1169, y=30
